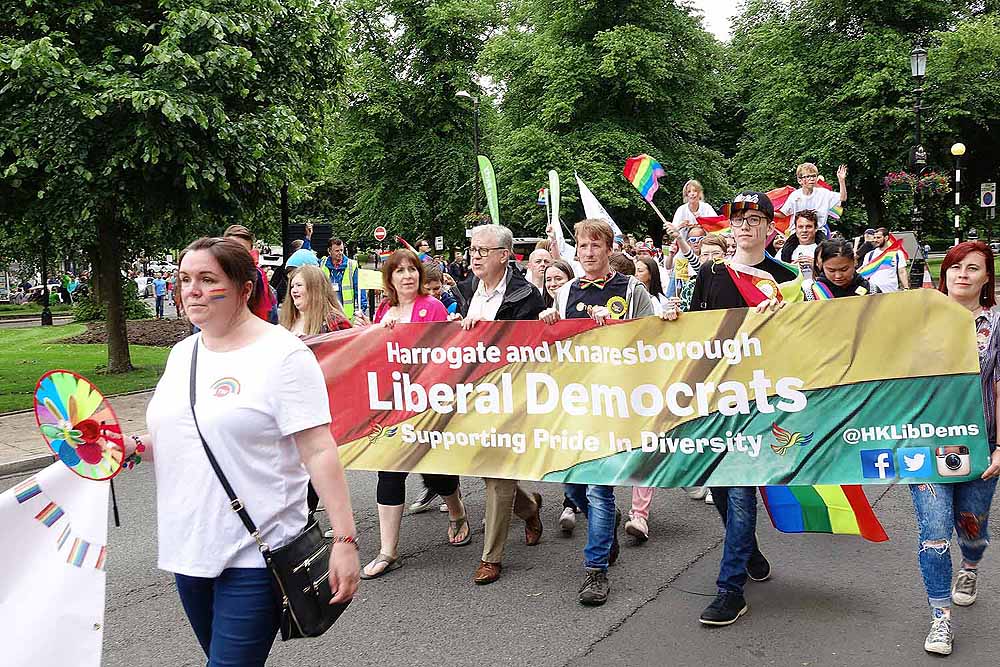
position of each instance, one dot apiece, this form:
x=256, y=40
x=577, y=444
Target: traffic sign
x=380, y=233
x=987, y=195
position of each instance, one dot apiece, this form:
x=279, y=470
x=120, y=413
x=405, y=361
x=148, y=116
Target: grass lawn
x=26, y=354
x=935, y=267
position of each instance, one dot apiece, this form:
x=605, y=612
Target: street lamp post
x=918, y=161
x=958, y=150
x=46, y=311
x=475, y=145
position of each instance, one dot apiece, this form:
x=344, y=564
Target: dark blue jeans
x=944, y=510
x=737, y=505
x=598, y=503
x=159, y=306
x=235, y=615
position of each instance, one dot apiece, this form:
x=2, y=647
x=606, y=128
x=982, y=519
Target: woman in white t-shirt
x=263, y=409
x=694, y=206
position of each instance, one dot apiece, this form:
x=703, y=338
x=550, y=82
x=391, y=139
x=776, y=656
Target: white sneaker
x=637, y=528
x=697, y=492
x=940, y=638
x=567, y=520
x=443, y=508
x=963, y=593
x=708, y=498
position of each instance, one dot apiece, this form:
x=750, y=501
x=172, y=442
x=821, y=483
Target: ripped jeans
x=942, y=510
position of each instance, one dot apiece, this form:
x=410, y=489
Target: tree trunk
x=109, y=243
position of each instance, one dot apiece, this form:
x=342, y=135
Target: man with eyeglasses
x=497, y=292
x=752, y=221
x=809, y=196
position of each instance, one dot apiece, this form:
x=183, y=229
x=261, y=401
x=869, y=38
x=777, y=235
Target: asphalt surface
x=831, y=600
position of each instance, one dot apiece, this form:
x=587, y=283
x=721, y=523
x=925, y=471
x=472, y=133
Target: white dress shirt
x=485, y=304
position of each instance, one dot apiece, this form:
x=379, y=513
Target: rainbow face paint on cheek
x=217, y=294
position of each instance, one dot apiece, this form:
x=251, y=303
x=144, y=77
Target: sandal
x=455, y=527
x=390, y=565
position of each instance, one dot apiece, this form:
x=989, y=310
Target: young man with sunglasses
x=752, y=221
x=810, y=197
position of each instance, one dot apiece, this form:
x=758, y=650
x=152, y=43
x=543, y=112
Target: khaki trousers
x=504, y=497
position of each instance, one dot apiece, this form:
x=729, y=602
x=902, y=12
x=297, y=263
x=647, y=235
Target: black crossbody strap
x=234, y=502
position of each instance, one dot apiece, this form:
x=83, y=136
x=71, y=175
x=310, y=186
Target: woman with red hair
x=967, y=276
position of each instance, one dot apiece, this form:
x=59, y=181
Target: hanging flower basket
x=933, y=183
x=900, y=181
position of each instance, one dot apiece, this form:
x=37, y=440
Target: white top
x=485, y=304
x=821, y=200
x=684, y=215
x=885, y=277
x=250, y=401
x=804, y=251
x=660, y=303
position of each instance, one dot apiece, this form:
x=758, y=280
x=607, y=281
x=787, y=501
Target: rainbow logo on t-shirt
x=225, y=387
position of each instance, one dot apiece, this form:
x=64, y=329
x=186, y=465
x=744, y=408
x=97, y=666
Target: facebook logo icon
x=877, y=464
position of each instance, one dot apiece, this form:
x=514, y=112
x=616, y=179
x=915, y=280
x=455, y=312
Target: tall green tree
x=128, y=125
x=584, y=86
x=402, y=147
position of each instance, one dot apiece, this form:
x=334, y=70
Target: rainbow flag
x=62, y=538
x=887, y=258
x=543, y=196
x=26, y=490
x=831, y=509
x=642, y=172
x=101, y=555
x=835, y=212
x=386, y=254
x=718, y=224
x=50, y=514
x=78, y=552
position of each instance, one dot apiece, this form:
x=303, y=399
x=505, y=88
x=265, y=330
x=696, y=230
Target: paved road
x=33, y=321
x=832, y=601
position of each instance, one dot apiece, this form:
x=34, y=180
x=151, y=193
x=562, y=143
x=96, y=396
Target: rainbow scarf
x=642, y=172
x=820, y=291
x=831, y=509
x=756, y=286
x=887, y=258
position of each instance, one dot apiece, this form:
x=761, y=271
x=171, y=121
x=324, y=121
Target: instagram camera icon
x=953, y=461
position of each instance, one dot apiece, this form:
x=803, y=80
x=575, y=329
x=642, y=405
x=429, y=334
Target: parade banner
x=875, y=390
x=52, y=591
x=490, y=187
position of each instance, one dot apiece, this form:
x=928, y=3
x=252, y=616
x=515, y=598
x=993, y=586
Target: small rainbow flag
x=831, y=509
x=643, y=172
x=26, y=490
x=78, y=552
x=50, y=514
x=836, y=211
x=101, y=555
x=386, y=254
x=718, y=224
x=543, y=196
x=63, y=537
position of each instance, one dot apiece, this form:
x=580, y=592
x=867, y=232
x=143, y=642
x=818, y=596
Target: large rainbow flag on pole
x=643, y=172
x=831, y=509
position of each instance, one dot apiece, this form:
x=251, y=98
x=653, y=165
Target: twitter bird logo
x=916, y=462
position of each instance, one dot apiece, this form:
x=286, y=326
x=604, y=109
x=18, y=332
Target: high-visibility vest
x=346, y=288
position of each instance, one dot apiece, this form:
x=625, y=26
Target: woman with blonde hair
x=694, y=206
x=311, y=307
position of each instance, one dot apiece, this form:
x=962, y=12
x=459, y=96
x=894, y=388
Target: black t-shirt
x=714, y=288
x=614, y=297
x=852, y=289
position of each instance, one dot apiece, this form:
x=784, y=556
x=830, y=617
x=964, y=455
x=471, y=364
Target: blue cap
x=302, y=257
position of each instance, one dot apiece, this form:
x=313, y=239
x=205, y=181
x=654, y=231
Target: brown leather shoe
x=533, y=526
x=487, y=573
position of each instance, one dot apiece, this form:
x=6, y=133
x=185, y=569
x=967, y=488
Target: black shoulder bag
x=299, y=570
